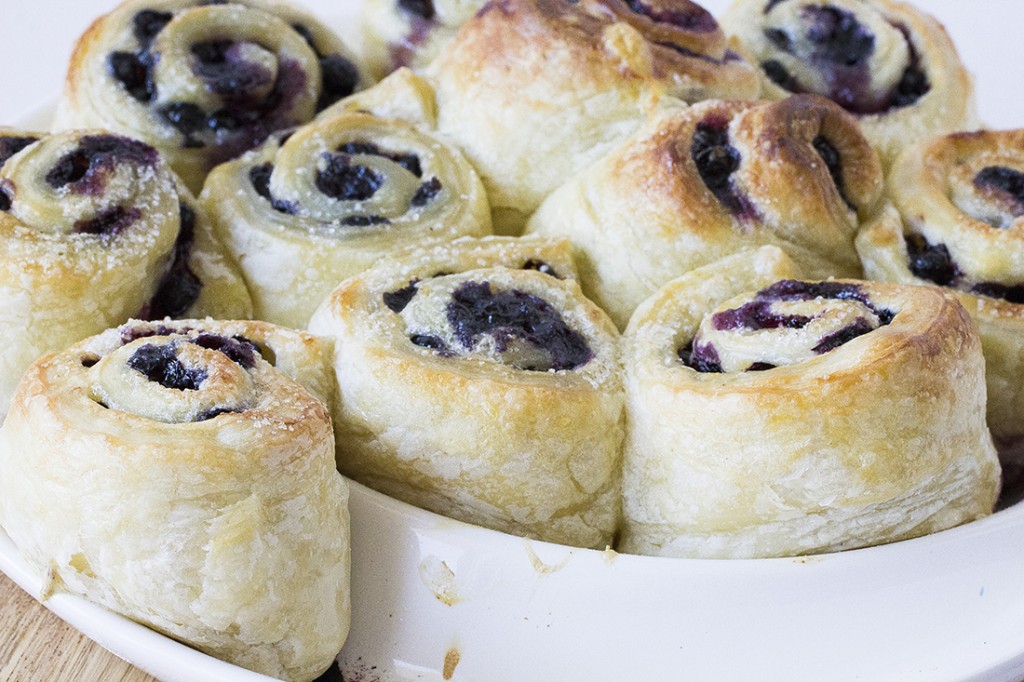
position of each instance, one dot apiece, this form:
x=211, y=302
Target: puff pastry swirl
x=959, y=201
x=204, y=82
x=175, y=473
x=335, y=196
x=777, y=418
x=480, y=385
x=887, y=62
x=697, y=184
x=94, y=229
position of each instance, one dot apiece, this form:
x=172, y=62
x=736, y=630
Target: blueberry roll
x=309, y=209
x=960, y=200
x=479, y=383
x=795, y=417
x=182, y=474
x=535, y=90
x=697, y=184
x=88, y=228
x=204, y=81
x=886, y=62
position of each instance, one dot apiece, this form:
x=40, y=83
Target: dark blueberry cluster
x=476, y=310
x=160, y=363
x=689, y=17
x=840, y=48
x=12, y=144
x=716, y=161
x=703, y=358
x=934, y=263
x=833, y=162
x=757, y=315
x=179, y=288
x=87, y=167
x=1009, y=182
x=109, y=223
x=420, y=8
x=259, y=176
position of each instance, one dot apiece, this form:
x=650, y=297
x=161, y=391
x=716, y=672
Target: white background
x=36, y=37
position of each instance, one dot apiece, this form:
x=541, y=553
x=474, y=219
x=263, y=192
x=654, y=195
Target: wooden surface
x=37, y=646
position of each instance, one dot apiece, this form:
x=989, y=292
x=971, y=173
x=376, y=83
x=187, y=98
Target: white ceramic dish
x=435, y=599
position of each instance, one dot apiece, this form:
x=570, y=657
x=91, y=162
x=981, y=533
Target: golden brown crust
x=952, y=227
x=661, y=204
x=878, y=439
x=177, y=506
x=480, y=432
x=535, y=90
x=905, y=82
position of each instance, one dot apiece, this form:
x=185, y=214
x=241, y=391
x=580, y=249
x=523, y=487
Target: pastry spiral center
x=782, y=325
x=474, y=319
x=178, y=377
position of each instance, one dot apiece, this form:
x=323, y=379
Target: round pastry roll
x=399, y=33
x=697, y=184
x=94, y=229
x=477, y=384
x=960, y=201
x=800, y=417
x=312, y=207
x=888, y=63
x=204, y=81
x=535, y=90
x=176, y=474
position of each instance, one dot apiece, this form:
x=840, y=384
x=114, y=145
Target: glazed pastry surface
x=204, y=82
x=336, y=196
x=94, y=229
x=960, y=206
x=535, y=90
x=479, y=383
x=771, y=417
x=700, y=183
x=889, y=63
x=178, y=474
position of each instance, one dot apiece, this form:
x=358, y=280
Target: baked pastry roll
x=887, y=62
x=697, y=184
x=477, y=384
x=312, y=207
x=960, y=199
x=399, y=33
x=535, y=90
x=94, y=229
x=800, y=417
x=176, y=474
x=204, y=82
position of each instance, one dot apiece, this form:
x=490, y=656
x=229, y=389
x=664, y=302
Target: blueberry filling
x=147, y=23
x=410, y=162
x=859, y=327
x=398, y=299
x=220, y=64
x=693, y=18
x=1006, y=181
x=716, y=161
x=1012, y=293
x=339, y=78
x=6, y=201
x=215, y=412
x=757, y=315
x=770, y=5
x=778, y=74
x=420, y=8
x=426, y=193
x=110, y=222
x=833, y=163
x=307, y=35
x=342, y=180
x=11, y=145
x=931, y=261
x=161, y=364
x=259, y=176
x=134, y=71
x=365, y=221
x=187, y=118
x=129, y=333
x=428, y=341
x=837, y=36
x=238, y=349
x=475, y=310
x=704, y=358
x=87, y=167
x=180, y=287
x=794, y=290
